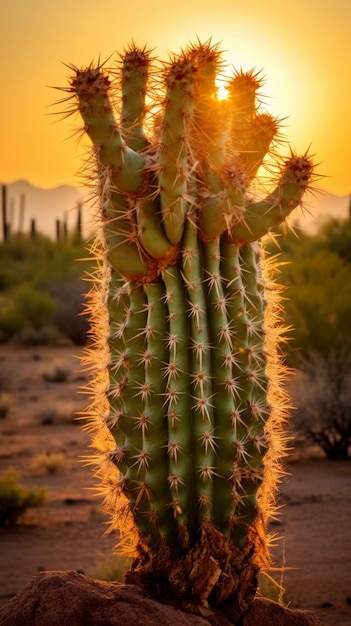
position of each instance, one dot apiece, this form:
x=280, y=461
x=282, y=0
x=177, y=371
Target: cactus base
x=213, y=572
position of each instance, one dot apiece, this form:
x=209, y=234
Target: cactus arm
x=259, y=217
x=126, y=255
x=209, y=127
x=217, y=211
x=92, y=89
x=242, y=89
x=263, y=129
x=173, y=160
x=151, y=231
x=251, y=131
x=135, y=73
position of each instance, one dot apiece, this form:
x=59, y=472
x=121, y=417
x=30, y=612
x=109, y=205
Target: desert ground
x=312, y=558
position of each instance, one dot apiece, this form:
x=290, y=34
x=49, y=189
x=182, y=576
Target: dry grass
x=58, y=413
x=56, y=372
x=49, y=463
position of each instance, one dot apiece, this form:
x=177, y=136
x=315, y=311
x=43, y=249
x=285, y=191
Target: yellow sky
x=304, y=48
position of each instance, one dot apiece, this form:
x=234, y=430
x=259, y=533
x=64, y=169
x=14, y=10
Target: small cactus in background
x=188, y=402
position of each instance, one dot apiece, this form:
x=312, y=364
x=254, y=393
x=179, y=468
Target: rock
x=265, y=612
x=71, y=599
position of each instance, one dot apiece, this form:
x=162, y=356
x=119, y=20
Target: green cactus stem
x=189, y=404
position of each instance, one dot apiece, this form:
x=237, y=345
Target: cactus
x=188, y=402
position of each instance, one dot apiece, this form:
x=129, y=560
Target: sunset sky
x=304, y=48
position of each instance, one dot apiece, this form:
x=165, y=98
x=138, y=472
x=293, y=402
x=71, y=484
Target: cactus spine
x=193, y=403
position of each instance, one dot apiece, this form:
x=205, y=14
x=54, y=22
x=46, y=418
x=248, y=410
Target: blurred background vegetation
x=42, y=291
x=316, y=271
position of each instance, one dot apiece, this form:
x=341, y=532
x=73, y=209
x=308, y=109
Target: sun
x=222, y=93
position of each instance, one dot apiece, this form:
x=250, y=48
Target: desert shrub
x=24, y=259
x=36, y=337
x=26, y=310
x=55, y=414
x=35, y=307
x=111, y=567
x=5, y=403
x=41, y=291
x=6, y=382
x=317, y=273
x=335, y=235
x=6, y=375
x=51, y=463
x=56, y=372
x=269, y=587
x=322, y=395
x=319, y=304
x=15, y=499
x=69, y=316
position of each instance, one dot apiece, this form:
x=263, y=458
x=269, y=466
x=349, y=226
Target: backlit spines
x=194, y=379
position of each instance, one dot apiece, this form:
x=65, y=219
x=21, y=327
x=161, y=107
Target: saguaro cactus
x=186, y=317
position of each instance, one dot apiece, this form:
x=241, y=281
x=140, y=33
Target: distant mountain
x=26, y=202
x=320, y=207
x=46, y=206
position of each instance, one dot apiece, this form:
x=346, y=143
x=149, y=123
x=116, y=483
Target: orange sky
x=304, y=48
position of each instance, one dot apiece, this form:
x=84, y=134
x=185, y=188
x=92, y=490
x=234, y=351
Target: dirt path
x=316, y=545
x=68, y=532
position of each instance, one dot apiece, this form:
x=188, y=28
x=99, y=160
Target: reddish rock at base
x=71, y=599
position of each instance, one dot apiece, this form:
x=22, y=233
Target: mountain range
x=25, y=203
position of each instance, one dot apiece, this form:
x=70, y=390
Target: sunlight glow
x=222, y=93
x=303, y=50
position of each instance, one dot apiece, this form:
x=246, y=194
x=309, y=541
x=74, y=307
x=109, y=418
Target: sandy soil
x=313, y=554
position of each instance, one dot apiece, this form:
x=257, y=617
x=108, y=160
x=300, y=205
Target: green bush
x=317, y=273
x=49, y=462
x=41, y=291
x=322, y=394
x=15, y=499
x=112, y=567
x=26, y=312
x=68, y=294
x=319, y=303
x=335, y=235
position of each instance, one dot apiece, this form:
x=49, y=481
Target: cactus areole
x=188, y=402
